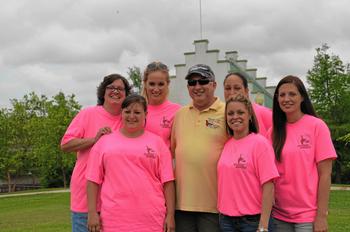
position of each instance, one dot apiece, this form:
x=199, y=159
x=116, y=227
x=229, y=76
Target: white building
x=259, y=92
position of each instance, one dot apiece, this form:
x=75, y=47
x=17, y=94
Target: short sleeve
x=165, y=167
x=75, y=129
x=269, y=135
x=324, y=148
x=95, y=168
x=266, y=115
x=265, y=163
x=173, y=136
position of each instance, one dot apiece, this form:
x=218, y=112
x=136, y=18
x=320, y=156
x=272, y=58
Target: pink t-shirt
x=308, y=142
x=131, y=172
x=160, y=119
x=244, y=166
x=85, y=125
x=264, y=117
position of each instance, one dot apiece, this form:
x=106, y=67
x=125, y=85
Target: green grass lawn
x=339, y=211
x=35, y=213
x=50, y=213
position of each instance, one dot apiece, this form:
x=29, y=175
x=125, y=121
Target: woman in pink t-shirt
x=236, y=83
x=87, y=127
x=132, y=168
x=304, y=153
x=161, y=111
x=246, y=170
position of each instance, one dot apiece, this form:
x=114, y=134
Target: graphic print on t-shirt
x=304, y=141
x=241, y=162
x=150, y=153
x=165, y=123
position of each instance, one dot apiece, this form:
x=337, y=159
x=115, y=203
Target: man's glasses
x=200, y=82
x=115, y=89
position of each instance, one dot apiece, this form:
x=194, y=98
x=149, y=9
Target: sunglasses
x=200, y=82
x=156, y=66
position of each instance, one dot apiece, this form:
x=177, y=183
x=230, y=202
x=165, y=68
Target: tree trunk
x=14, y=187
x=9, y=181
x=64, y=177
x=14, y=184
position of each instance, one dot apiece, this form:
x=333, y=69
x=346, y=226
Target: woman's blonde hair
x=153, y=67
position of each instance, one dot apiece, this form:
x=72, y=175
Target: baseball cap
x=202, y=70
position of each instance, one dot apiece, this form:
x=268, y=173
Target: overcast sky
x=49, y=46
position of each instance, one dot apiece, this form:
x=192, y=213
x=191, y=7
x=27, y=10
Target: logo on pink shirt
x=304, y=142
x=241, y=162
x=165, y=123
x=150, y=153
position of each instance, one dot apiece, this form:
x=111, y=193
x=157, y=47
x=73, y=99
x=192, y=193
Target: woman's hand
x=169, y=224
x=94, y=224
x=320, y=224
x=102, y=131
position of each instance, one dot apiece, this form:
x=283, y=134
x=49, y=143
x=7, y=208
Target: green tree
x=61, y=111
x=329, y=81
x=31, y=132
x=135, y=76
x=7, y=163
x=55, y=167
x=18, y=141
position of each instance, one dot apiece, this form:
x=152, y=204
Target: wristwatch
x=262, y=229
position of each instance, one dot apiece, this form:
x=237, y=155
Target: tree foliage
x=329, y=81
x=56, y=166
x=345, y=138
x=18, y=157
x=31, y=132
x=136, y=78
x=8, y=162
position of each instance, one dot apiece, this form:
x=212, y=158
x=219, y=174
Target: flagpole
x=200, y=18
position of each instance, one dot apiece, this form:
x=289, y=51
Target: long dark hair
x=101, y=89
x=253, y=123
x=279, y=118
x=240, y=75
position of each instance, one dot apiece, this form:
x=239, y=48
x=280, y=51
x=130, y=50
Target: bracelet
x=262, y=229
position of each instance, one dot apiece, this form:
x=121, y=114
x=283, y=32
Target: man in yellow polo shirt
x=198, y=136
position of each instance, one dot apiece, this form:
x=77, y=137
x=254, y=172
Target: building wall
x=178, y=87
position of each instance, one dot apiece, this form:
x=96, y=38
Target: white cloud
x=48, y=46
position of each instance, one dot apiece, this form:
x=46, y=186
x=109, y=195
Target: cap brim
x=198, y=73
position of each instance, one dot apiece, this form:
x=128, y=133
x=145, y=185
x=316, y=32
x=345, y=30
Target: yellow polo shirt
x=197, y=140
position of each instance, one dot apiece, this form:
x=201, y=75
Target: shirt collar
x=215, y=106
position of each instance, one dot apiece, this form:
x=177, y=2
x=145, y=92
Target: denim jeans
x=271, y=226
x=79, y=222
x=282, y=226
x=247, y=223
